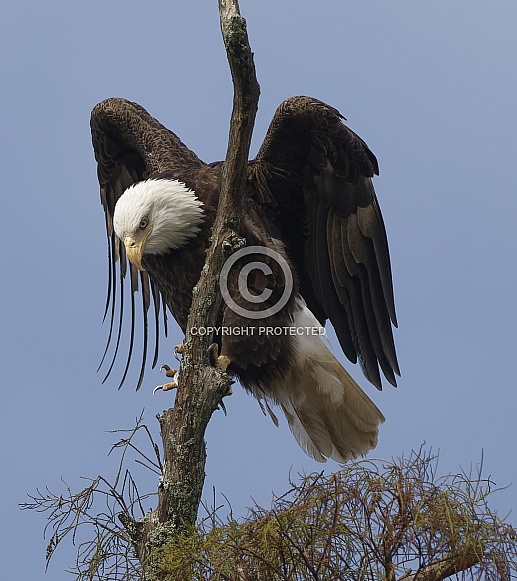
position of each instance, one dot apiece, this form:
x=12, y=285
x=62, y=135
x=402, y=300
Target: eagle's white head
x=155, y=216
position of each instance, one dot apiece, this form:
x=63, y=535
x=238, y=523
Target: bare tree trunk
x=201, y=387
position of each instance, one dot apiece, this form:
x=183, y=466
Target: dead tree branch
x=201, y=386
x=446, y=567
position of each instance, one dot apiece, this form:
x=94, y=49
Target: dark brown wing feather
x=317, y=173
x=130, y=146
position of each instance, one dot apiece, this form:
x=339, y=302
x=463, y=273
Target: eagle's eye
x=143, y=223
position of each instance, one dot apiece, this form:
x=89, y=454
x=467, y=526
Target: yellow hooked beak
x=135, y=248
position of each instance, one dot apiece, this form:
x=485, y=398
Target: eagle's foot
x=168, y=371
x=213, y=353
x=220, y=361
x=178, y=350
x=223, y=362
x=173, y=373
x=165, y=387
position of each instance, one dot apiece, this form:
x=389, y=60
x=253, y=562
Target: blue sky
x=431, y=88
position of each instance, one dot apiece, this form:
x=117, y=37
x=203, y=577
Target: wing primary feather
x=367, y=269
x=358, y=261
x=156, y=301
x=145, y=307
x=132, y=336
x=374, y=229
x=328, y=295
x=146, y=293
x=108, y=293
x=122, y=256
x=366, y=329
x=165, y=330
x=113, y=295
x=119, y=332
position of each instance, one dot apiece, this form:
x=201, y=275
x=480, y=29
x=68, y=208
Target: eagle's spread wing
x=317, y=174
x=129, y=146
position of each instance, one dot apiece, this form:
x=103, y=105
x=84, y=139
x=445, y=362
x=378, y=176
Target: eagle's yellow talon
x=178, y=350
x=173, y=373
x=220, y=361
x=165, y=387
x=168, y=371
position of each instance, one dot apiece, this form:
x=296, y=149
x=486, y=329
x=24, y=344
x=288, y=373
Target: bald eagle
x=315, y=240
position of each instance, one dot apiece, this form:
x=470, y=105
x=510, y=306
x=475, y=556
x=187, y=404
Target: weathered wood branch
x=446, y=567
x=201, y=387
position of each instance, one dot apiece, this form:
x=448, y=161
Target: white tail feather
x=328, y=413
